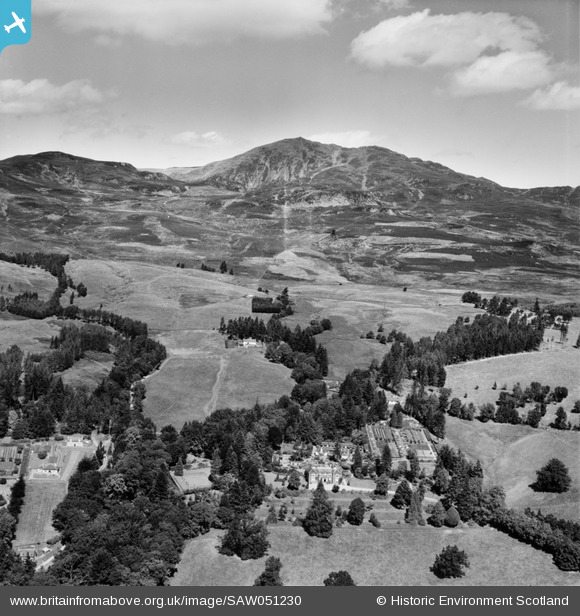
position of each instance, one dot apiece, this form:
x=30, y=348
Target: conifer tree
x=271, y=574
x=356, y=459
x=160, y=489
x=382, y=486
x=318, y=520
x=412, y=513
x=452, y=518
x=402, y=496
x=414, y=466
x=356, y=512
x=216, y=465
x=386, y=459
x=561, y=421
x=437, y=517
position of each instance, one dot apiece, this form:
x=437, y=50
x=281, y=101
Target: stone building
x=329, y=474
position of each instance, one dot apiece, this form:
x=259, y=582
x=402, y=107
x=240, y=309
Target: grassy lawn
x=398, y=556
x=511, y=455
x=193, y=478
x=35, y=521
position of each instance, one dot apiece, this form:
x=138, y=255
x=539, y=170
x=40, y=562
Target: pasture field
x=419, y=311
x=554, y=366
x=183, y=308
x=249, y=376
x=21, y=279
x=511, y=455
x=187, y=388
x=180, y=390
x=31, y=335
x=166, y=298
x=374, y=557
x=35, y=521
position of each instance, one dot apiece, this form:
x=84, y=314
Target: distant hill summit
x=367, y=213
x=286, y=171
x=53, y=170
x=299, y=169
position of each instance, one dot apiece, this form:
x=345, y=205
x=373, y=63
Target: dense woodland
x=122, y=523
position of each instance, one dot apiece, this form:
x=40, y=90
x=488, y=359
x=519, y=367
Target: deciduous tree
x=450, y=562
x=339, y=578
x=553, y=477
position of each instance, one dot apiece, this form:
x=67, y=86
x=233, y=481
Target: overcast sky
x=487, y=87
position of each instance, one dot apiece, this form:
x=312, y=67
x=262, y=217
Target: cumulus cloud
x=347, y=139
x=40, y=96
x=191, y=21
x=504, y=72
x=483, y=52
x=559, y=96
x=422, y=39
x=197, y=140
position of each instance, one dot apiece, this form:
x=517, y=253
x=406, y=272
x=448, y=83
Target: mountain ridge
x=368, y=214
x=294, y=161
x=293, y=169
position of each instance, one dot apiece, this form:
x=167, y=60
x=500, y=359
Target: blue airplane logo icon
x=17, y=22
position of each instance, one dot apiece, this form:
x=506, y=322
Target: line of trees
x=486, y=336
x=497, y=306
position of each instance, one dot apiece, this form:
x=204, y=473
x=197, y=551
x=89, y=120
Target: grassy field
x=180, y=391
x=559, y=366
x=183, y=308
x=166, y=298
x=249, y=376
x=511, y=455
x=89, y=371
x=32, y=336
x=192, y=387
x=374, y=557
x=22, y=279
x=35, y=522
